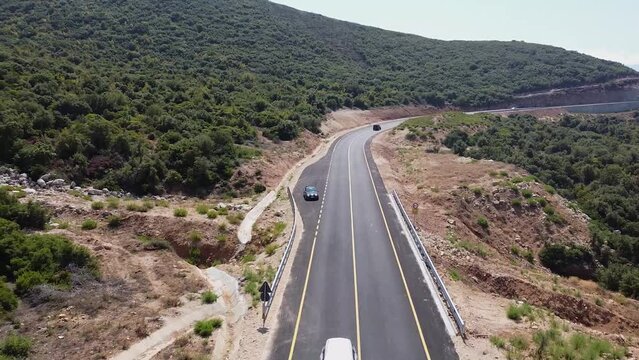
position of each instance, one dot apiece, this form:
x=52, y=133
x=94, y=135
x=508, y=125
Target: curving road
x=354, y=274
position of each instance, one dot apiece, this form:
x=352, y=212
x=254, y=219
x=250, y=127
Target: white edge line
x=443, y=312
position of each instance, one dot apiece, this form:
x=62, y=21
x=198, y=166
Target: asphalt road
x=354, y=274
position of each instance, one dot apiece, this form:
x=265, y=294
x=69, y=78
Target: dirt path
x=230, y=305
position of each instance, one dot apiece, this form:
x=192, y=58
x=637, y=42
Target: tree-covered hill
x=154, y=95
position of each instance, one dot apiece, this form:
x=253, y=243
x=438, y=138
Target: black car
x=310, y=193
x=377, y=127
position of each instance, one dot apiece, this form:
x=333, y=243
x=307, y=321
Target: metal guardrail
x=287, y=253
x=431, y=267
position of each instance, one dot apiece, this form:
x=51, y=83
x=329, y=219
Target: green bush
x=97, y=205
x=519, y=342
x=483, y=222
x=259, y=188
x=195, y=236
x=518, y=312
x=235, y=218
x=222, y=210
x=29, y=215
x=208, y=297
x=15, y=346
x=27, y=280
x=114, y=221
x=137, y=207
x=89, y=224
x=211, y=214
x=8, y=300
x=202, y=209
x=527, y=193
x=151, y=243
x=498, y=342
x=515, y=202
x=113, y=203
x=271, y=249
x=180, y=212
x=205, y=328
x=568, y=260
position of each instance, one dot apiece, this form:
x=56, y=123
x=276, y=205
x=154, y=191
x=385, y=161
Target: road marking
x=399, y=265
x=310, y=261
x=350, y=195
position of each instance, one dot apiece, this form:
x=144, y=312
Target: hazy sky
x=607, y=29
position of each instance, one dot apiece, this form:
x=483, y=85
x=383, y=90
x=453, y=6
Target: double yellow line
x=390, y=238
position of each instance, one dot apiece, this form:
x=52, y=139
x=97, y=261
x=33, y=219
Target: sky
x=606, y=29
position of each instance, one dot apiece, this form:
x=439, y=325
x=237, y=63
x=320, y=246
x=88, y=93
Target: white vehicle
x=338, y=349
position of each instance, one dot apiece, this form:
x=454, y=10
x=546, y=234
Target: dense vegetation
x=28, y=260
x=159, y=95
x=593, y=161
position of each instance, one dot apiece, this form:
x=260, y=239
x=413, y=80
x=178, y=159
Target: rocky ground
x=492, y=267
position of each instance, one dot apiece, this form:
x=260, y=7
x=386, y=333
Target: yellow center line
x=399, y=265
x=310, y=261
x=350, y=194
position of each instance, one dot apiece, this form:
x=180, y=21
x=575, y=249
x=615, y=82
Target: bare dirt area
x=484, y=223
x=144, y=274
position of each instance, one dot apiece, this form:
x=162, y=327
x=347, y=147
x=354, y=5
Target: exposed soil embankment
x=626, y=89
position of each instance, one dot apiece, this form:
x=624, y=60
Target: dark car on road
x=377, y=127
x=310, y=193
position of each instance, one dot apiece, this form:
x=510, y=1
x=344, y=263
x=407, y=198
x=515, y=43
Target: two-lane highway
x=354, y=273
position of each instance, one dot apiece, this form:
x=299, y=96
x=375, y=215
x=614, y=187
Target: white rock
x=29, y=191
x=41, y=183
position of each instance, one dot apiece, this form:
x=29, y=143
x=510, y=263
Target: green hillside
x=153, y=95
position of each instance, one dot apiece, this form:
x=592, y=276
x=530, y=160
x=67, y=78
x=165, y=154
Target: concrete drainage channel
x=287, y=251
x=414, y=236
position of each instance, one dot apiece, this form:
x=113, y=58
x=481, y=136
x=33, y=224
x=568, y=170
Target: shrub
x=222, y=210
x=162, y=203
x=135, y=206
x=151, y=243
x=148, y=204
x=477, y=191
x=221, y=238
x=202, y=209
x=483, y=222
x=113, y=203
x=599, y=302
x=498, y=342
x=519, y=342
x=235, y=218
x=248, y=257
x=568, y=260
x=259, y=188
x=27, y=280
x=205, y=328
x=518, y=312
x=209, y=297
x=271, y=248
x=195, y=236
x=542, y=201
x=529, y=256
x=8, y=300
x=454, y=275
x=89, y=224
x=114, y=221
x=211, y=214
x=527, y=193
x=515, y=202
x=97, y=205
x=29, y=215
x=532, y=202
x=180, y=212
x=549, y=210
x=551, y=190
x=15, y=346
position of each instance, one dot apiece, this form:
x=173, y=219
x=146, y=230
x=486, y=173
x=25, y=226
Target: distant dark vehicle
x=310, y=193
x=377, y=127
